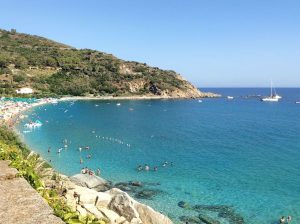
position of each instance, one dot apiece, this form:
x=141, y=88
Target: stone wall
x=19, y=202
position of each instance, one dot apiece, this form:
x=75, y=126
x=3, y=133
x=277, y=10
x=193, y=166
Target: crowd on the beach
x=9, y=108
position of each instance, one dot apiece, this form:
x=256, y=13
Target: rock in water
x=136, y=183
x=147, y=194
x=91, y=181
x=124, y=187
x=207, y=220
x=183, y=204
x=191, y=220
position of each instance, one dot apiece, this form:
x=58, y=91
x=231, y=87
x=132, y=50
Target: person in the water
x=282, y=220
x=98, y=172
x=155, y=168
x=147, y=168
x=140, y=168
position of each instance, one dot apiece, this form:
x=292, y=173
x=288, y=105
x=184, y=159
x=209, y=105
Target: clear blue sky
x=212, y=43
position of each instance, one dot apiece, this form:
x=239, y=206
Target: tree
x=21, y=62
x=4, y=61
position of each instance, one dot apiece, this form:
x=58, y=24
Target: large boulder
x=148, y=215
x=103, y=199
x=91, y=181
x=134, y=211
x=111, y=215
x=123, y=204
x=93, y=210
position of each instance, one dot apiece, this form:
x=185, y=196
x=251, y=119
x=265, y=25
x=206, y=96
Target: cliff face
x=53, y=68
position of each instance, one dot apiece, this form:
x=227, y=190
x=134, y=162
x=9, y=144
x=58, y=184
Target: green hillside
x=51, y=68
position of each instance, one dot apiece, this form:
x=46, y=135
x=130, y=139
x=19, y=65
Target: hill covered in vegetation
x=55, y=69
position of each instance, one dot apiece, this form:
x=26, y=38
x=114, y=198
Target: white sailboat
x=272, y=97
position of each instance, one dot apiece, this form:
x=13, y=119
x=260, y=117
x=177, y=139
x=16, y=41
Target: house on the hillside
x=24, y=90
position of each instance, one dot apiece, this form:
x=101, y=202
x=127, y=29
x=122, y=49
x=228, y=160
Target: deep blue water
x=242, y=153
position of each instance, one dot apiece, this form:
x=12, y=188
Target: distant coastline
x=142, y=97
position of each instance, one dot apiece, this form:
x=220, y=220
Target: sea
x=234, y=161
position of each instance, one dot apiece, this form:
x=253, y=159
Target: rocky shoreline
x=113, y=205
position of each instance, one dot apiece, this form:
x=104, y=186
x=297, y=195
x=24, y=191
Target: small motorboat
x=230, y=97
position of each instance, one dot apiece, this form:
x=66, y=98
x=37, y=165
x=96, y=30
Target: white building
x=24, y=90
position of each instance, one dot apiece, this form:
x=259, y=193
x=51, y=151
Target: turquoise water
x=241, y=153
x=16, y=99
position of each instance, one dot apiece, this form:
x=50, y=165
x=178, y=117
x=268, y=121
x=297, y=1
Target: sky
x=212, y=43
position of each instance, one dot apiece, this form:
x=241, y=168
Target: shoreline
x=104, y=204
x=10, y=119
x=143, y=97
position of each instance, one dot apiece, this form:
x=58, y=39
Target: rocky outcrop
x=91, y=182
x=114, y=205
x=20, y=203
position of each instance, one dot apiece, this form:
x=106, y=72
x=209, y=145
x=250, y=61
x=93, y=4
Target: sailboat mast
x=271, y=88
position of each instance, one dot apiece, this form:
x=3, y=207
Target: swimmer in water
x=155, y=168
x=98, y=172
x=81, y=160
x=140, y=168
x=165, y=163
x=49, y=149
x=147, y=168
x=282, y=220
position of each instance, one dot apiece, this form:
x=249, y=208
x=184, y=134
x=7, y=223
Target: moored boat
x=273, y=97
